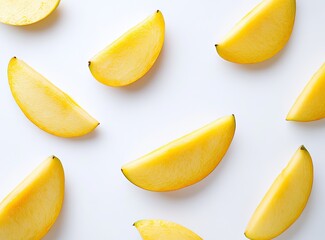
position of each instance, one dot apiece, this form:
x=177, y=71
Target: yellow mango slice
x=184, y=161
x=25, y=12
x=285, y=200
x=45, y=105
x=261, y=34
x=31, y=209
x=132, y=55
x=310, y=105
x=163, y=230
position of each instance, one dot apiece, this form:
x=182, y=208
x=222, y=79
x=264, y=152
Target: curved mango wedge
x=132, y=55
x=310, y=105
x=25, y=12
x=285, y=200
x=261, y=34
x=31, y=209
x=163, y=230
x=184, y=161
x=45, y=105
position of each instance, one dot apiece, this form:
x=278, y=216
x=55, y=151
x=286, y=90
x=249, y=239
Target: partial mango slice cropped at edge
x=45, y=105
x=184, y=161
x=132, y=55
x=261, y=34
x=310, y=105
x=285, y=200
x=25, y=12
x=31, y=209
x=163, y=230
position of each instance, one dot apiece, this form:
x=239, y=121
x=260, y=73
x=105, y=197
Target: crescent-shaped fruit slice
x=285, y=200
x=163, y=230
x=310, y=105
x=132, y=55
x=46, y=105
x=25, y=12
x=184, y=161
x=261, y=34
x=31, y=209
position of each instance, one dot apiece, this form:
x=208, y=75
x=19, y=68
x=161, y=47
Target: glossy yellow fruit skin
x=163, y=230
x=31, y=209
x=285, y=200
x=132, y=55
x=25, y=12
x=184, y=161
x=261, y=34
x=45, y=105
x=310, y=105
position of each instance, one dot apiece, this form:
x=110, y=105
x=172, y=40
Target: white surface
x=189, y=86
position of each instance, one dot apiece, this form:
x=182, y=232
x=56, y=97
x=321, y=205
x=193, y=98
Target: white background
x=188, y=87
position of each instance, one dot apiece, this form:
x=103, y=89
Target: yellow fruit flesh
x=163, y=230
x=261, y=34
x=24, y=12
x=184, y=161
x=310, y=105
x=285, y=200
x=45, y=105
x=30, y=210
x=132, y=55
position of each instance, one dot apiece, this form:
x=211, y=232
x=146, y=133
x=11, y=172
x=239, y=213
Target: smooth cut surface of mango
x=25, y=12
x=31, y=209
x=285, y=200
x=163, y=230
x=261, y=34
x=184, y=161
x=310, y=105
x=132, y=55
x=45, y=105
